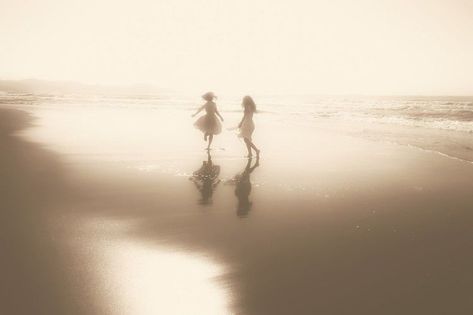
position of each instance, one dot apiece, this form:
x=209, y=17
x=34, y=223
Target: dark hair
x=248, y=104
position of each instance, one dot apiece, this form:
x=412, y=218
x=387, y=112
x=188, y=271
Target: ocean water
x=442, y=124
x=439, y=112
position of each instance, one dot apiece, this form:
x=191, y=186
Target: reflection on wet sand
x=147, y=280
x=206, y=179
x=242, y=184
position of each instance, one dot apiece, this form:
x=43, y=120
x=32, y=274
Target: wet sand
x=338, y=225
x=34, y=272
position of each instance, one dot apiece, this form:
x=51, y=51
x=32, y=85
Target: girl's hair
x=209, y=96
x=248, y=104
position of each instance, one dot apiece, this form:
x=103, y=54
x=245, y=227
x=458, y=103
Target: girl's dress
x=247, y=126
x=209, y=123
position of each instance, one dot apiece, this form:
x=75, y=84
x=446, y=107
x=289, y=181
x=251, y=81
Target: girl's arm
x=199, y=110
x=241, y=122
x=218, y=114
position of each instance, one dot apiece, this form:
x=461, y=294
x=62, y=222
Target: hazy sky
x=341, y=46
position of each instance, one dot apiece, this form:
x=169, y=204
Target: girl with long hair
x=247, y=126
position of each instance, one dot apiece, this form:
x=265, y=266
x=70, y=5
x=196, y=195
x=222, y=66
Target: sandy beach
x=324, y=223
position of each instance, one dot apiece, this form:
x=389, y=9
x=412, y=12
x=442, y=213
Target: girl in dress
x=209, y=123
x=247, y=126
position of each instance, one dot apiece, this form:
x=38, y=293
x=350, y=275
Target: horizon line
x=177, y=90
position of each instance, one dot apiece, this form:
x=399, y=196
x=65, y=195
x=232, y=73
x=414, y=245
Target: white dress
x=209, y=123
x=247, y=126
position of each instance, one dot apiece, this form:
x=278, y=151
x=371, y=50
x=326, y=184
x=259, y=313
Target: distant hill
x=66, y=87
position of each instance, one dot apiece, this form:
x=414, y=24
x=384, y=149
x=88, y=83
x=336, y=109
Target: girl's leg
x=248, y=146
x=254, y=148
x=211, y=137
x=205, y=136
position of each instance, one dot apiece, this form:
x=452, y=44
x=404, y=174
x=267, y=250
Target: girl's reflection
x=243, y=188
x=206, y=179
